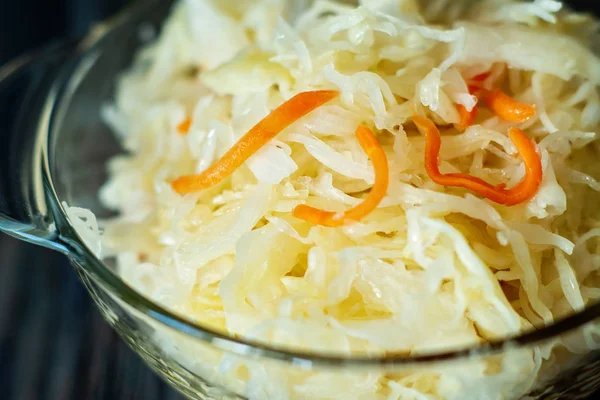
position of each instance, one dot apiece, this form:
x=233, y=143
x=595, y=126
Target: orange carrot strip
x=476, y=83
x=184, y=127
x=368, y=142
x=508, y=108
x=467, y=118
x=280, y=118
x=475, y=89
x=520, y=193
x=481, y=77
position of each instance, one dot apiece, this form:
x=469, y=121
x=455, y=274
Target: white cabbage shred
x=432, y=268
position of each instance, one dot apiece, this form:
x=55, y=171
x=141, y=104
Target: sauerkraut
x=432, y=268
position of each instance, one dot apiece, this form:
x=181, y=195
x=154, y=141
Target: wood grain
x=54, y=345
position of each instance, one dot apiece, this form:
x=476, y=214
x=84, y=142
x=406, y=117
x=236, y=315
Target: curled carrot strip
x=467, y=118
x=371, y=146
x=280, y=118
x=499, y=102
x=481, y=77
x=523, y=191
x=184, y=127
x=476, y=83
x=508, y=108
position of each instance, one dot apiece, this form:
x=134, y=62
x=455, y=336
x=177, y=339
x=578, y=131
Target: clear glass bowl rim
x=109, y=280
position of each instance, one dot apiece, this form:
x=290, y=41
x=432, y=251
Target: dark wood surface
x=54, y=345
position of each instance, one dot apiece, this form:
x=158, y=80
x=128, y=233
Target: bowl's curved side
x=140, y=333
x=80, y=144
x=197, y=360
x=200, y=370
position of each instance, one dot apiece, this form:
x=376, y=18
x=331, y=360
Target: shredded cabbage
x=432, y=268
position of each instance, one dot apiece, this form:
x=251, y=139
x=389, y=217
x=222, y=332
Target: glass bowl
x=55, y=146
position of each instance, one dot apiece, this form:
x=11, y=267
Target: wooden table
x=54, y=345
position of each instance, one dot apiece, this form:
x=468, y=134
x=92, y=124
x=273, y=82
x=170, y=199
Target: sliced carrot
x=508, y=108
x=481, y=77
x=368, y=142
x=523, y=191
x=499, y=102
x=529, y=186
x=467, y=118
x=474, y=89
x=476, y=83
x=280, y=118
x=184, y=127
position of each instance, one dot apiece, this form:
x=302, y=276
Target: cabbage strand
x=368, y=142
x=523, y=191
x=283, y=116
